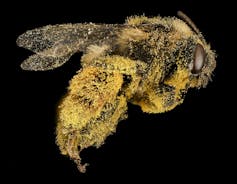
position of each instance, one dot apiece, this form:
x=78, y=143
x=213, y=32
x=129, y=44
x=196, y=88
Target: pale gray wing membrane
x=54, y=45
x=39, y=39
x=38, y=62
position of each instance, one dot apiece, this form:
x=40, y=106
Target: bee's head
x=194, y=58
x=183, y=60
x=190, y=65
x=201, y=59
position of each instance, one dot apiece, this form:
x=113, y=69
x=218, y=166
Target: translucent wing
x=54, y=45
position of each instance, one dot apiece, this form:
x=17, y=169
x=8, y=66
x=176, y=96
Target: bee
x=149, y=62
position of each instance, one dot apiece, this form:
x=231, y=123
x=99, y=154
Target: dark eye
x=199, y=59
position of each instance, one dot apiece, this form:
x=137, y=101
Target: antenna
x=184, y=17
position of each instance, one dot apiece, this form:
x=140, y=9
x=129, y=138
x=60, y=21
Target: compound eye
x=199, y=59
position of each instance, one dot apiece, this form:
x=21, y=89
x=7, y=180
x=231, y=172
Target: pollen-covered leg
x=73, y=151
x=67, y=140
x=165, y=96
x=90, y=111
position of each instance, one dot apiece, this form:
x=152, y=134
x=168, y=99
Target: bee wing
x=55, y=44
x=38, y=62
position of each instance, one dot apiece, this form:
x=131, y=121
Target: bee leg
x=165, y=96
x=73, y=152
x=90, y=111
